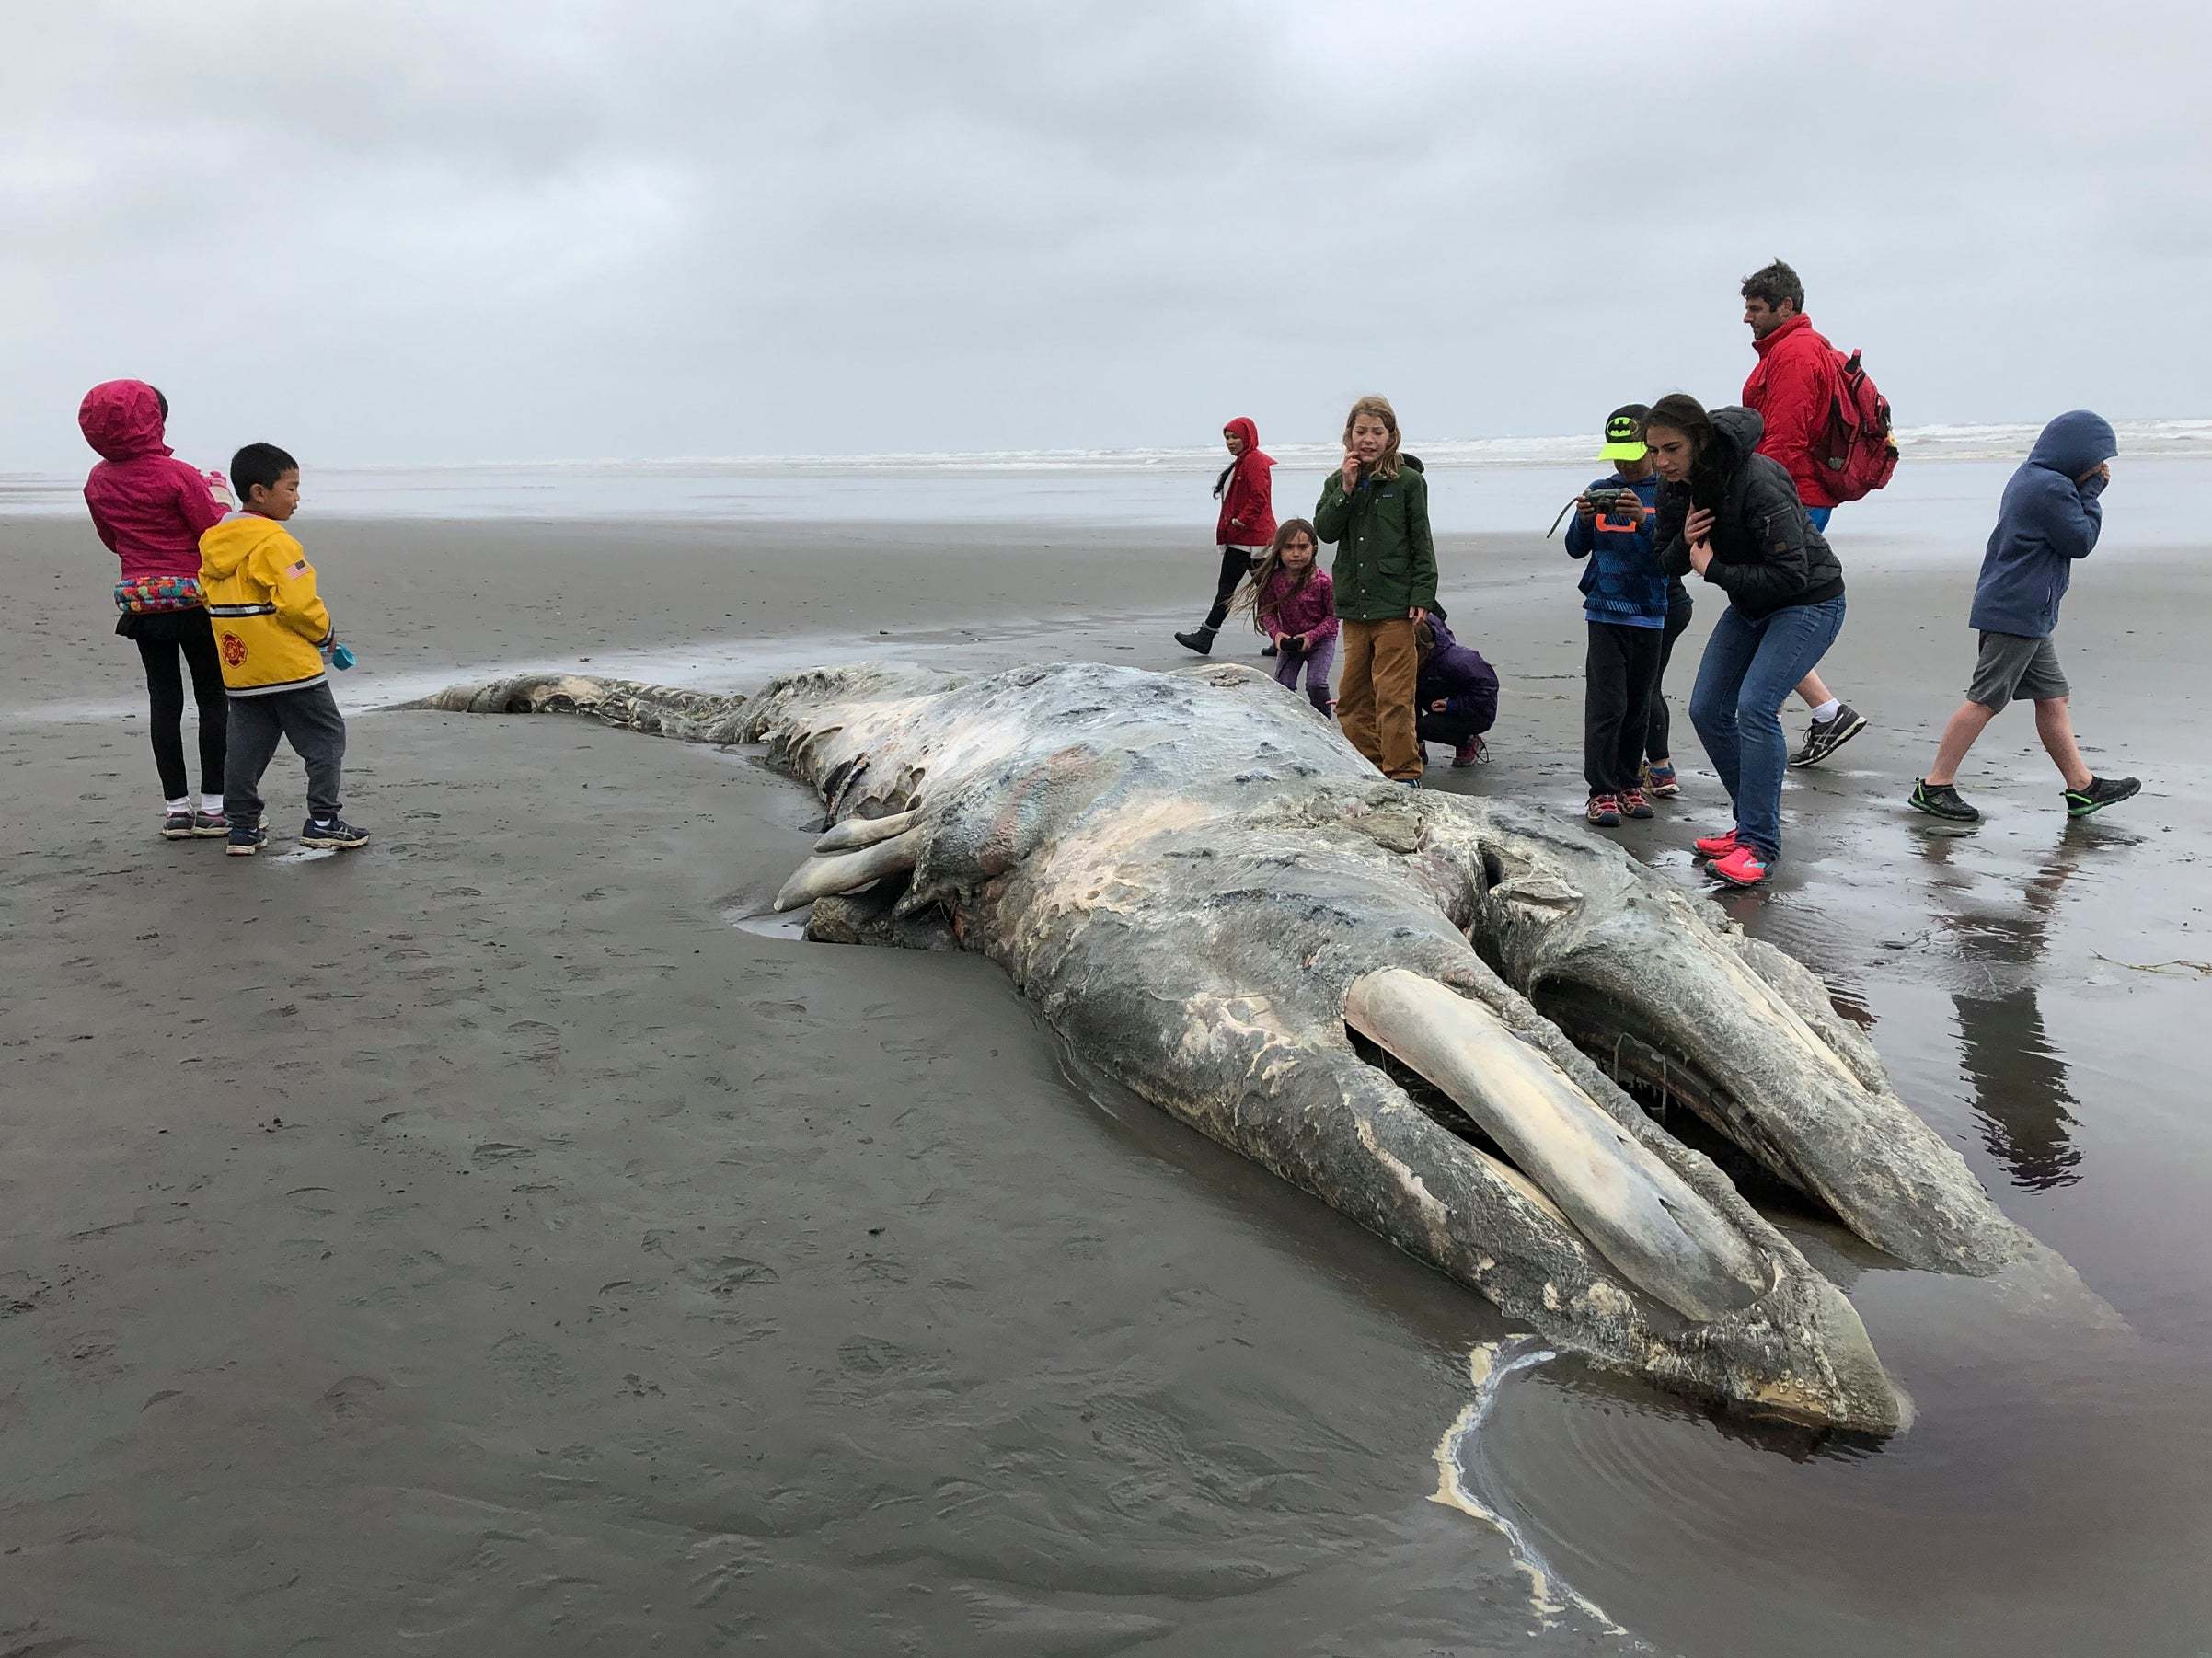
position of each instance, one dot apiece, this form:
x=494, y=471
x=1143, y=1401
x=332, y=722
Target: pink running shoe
x=1742, y=868
x=1716, y=846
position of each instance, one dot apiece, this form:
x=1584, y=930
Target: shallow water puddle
x=1488, y=1367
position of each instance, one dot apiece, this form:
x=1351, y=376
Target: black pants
x=1623, y=670
x=309, y=720
x=1454, y=728
x=1655, y=737
x=1236, y=564
x=161, y=639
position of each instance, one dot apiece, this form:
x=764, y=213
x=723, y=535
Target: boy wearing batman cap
x=1625, y=605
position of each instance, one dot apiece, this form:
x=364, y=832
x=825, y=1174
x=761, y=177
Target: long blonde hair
x=1255, y=587
x=1386, y=463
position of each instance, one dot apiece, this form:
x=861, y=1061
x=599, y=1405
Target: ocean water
x=1945, y=489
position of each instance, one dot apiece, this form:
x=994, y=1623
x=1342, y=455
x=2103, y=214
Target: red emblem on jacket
x=233, y=649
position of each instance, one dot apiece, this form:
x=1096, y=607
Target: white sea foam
x=1922, y=442
x=1487, y=484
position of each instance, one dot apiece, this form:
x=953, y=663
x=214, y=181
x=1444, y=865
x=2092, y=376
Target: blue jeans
x=1749, y=669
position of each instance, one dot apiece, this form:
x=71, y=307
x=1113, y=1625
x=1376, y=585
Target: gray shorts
x=2013, y=669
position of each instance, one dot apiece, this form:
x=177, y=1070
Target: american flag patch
x=298, y=570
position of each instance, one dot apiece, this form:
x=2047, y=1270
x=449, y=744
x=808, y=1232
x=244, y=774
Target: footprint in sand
x=351, y=1399
x=531, y=1364
x=535, y=1042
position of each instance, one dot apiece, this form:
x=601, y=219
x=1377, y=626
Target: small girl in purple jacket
x=1292, y=603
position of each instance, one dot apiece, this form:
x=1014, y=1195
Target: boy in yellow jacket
x=273, y=635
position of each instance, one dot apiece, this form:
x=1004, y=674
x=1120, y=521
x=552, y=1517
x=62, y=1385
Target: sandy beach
x=483, y=1245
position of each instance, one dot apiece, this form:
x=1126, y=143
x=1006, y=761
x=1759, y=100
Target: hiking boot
x=1633, y=804
x=1716, y=846
x=243, y=840
x=2102, y=792
x=1745, y=866
x=176, y=826
x=337, y=834
x=1823, y=737
x=1473, y=751
x=1659, y=780
x=1199, y=639
x=1944, y=800
x=1406, y=782
x=1266, y=649
x=209, y=823
x=1604, y=810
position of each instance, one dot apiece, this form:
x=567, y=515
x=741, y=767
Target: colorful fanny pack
x=150, y=595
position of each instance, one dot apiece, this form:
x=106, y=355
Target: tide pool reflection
x=2020, y=1081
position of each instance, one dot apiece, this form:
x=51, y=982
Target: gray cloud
x=471, y=231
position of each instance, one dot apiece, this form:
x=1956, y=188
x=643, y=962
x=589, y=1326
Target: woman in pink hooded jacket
x=1245, y=529
x=150, y=509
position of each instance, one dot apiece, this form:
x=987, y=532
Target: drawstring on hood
x=122, y=420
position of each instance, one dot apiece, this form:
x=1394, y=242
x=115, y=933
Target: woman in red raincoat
x=1245, y=529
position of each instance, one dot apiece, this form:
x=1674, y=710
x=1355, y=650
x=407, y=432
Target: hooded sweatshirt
x=1765, y=554
x=1247, y=491
x=149, y=507
x=269, y=624
x=2048, y=521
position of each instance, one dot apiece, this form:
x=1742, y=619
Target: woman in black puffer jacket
x=1732, y=515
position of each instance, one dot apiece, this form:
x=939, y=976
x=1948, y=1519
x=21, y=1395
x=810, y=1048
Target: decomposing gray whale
x=1412, y=1004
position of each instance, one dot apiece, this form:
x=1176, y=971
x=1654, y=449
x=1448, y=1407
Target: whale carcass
x=1414, y=1005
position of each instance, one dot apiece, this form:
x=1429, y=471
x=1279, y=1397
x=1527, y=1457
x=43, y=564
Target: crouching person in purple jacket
x=1456, y=696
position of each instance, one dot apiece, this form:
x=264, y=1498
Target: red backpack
x=1857, y=454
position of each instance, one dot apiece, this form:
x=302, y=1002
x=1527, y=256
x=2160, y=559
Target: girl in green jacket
x=1375, y=509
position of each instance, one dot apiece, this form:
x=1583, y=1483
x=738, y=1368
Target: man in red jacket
x=1791, y=390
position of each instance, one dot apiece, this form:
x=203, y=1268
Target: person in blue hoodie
x=2051, y=514
x=1625, y=603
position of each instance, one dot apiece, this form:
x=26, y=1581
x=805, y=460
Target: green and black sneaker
x=2102, y=792
x=1944, y=800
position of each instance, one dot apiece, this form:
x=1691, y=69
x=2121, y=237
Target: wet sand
x=480, y=1244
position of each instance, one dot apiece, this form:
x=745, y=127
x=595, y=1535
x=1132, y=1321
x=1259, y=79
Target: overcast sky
x=467, y=230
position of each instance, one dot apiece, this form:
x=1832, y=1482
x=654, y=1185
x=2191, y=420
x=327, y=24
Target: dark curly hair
x=1774, y=283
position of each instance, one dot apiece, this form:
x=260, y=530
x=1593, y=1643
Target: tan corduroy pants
x=1374, y=697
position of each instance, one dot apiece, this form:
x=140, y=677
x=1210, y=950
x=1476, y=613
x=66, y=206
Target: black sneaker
x=1823, y=737
x=1200, y=640
x=337, y=832
x=244, y=840
x=176, y=826
x=208, y=826
x=1943, y=800
x=2102, y=792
